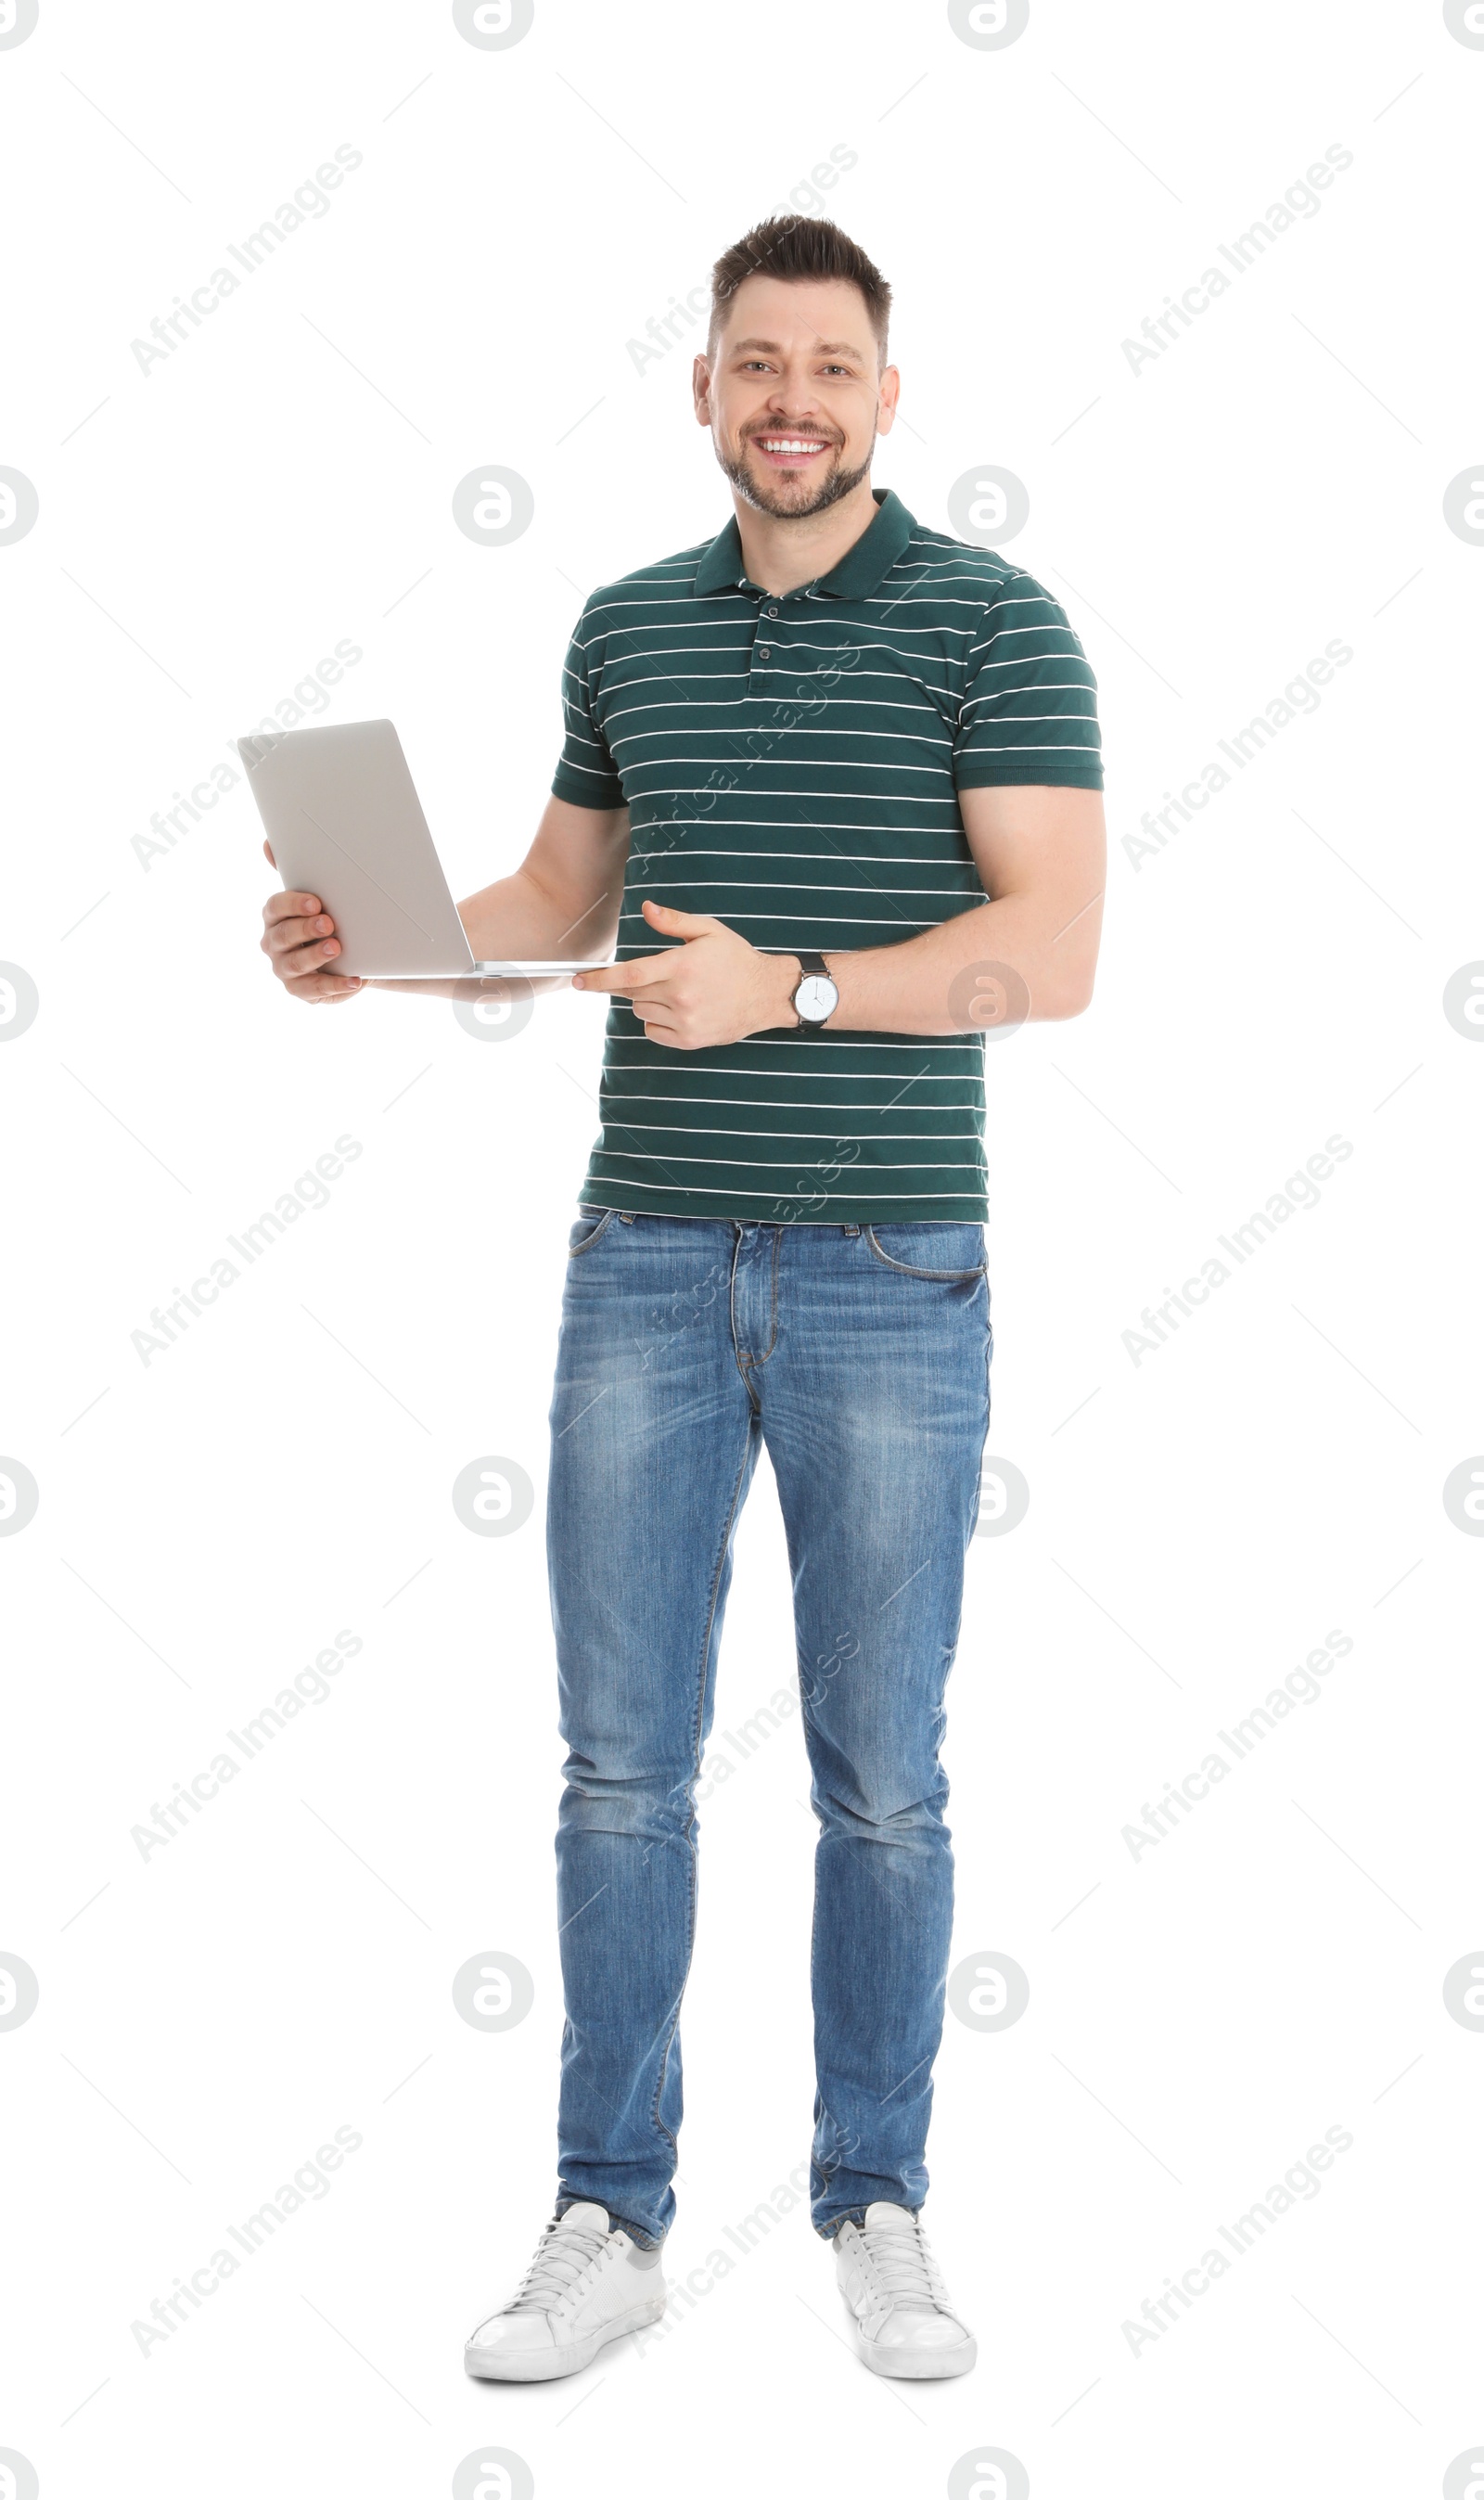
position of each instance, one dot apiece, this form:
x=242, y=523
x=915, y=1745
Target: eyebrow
x=823, y=347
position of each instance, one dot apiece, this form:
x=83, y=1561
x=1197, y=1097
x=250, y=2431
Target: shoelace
x=906, y=2268
x=561, y=2257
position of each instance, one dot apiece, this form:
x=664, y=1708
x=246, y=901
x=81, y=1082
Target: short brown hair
x=796, y=248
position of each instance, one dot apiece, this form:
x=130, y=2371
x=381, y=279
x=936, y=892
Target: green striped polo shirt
x=791, y=765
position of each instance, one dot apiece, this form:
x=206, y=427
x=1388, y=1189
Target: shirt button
x=765, y=654
x=769, y=611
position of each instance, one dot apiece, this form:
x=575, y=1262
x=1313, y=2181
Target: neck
x=780, y=555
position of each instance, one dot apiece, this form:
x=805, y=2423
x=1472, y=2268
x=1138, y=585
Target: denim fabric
x=860, y=1354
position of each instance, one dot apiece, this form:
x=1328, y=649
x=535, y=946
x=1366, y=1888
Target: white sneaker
x=585, y=2285
x=905, y=2326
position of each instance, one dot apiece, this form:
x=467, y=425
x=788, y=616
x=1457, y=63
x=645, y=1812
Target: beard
x=781, y=506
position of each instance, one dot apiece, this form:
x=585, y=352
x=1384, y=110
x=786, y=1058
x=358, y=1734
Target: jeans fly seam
x=758, y=1361
x=744, y=1362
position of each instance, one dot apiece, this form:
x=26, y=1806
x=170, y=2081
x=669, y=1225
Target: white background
x=1199, y=1519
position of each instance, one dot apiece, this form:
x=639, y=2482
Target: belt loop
x=849, y=1229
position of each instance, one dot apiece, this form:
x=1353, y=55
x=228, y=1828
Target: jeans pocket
x=934, y=1253
x=591, y=1225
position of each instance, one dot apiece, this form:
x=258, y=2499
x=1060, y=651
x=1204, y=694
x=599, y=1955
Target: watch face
x=816, y=998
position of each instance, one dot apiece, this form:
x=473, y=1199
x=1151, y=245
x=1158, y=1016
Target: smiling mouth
x=790, y=450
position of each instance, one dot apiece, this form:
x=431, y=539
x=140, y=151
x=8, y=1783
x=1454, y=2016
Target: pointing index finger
x=636, y=975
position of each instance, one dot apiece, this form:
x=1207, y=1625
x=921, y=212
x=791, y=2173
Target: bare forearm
x=953, y=979
x=518, y=916
x=562, y=902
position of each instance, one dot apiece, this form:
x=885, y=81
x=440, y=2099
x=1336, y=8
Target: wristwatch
x=816, y=998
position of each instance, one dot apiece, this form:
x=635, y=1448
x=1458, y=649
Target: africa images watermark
x=1300, y=200
x=310, y=1190
x=309, y=201
x=1241, y=1243
x=1241, y=748
x=1300, y=2179
x=309, y=2184
x=309, y=1689
x=168, y=826
x=717, y=2263
x=766, y=1721
x=1301, y=1685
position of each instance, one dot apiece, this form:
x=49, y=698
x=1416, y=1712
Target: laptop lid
x=344, y=822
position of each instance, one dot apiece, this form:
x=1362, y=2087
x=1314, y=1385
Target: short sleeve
x=585, y=775
x=1030, y=706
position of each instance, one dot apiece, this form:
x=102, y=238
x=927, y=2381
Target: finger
x=655, y=999
x=623, y=977
x=279, y=936
x=291, y=906
x=269, y=856
x=307, y=961
x=320, y=988
x=301, y=936
x=682, y=924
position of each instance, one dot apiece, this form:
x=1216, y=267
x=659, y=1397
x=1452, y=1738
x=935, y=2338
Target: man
x=798, y=761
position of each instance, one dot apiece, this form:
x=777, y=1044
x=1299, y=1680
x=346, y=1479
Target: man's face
x=794, y=396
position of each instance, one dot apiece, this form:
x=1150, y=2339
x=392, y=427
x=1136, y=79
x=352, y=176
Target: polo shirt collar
x=860, y=570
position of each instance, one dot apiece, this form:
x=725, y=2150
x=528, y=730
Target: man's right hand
x=300, y=943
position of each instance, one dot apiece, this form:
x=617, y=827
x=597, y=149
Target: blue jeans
x=861, y=1355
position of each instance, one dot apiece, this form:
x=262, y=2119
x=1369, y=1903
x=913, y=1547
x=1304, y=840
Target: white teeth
x=788, y=443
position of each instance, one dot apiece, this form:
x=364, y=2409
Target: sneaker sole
x=928, y=2362
x=561, y=2360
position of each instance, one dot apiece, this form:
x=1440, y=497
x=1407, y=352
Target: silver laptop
x=344, y=822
